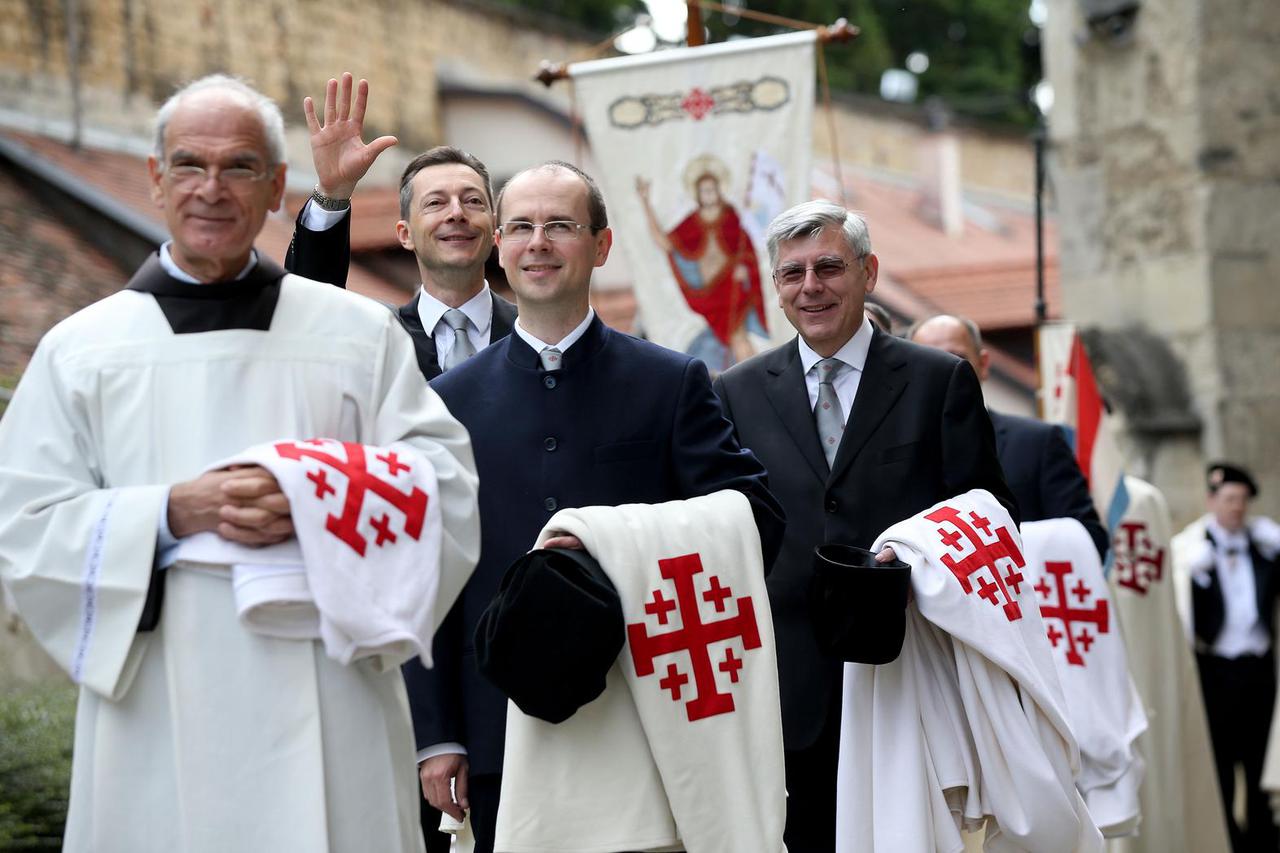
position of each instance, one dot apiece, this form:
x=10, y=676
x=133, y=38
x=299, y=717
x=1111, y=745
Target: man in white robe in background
x=193, y=733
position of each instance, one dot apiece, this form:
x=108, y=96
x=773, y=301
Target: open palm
x=340, y=155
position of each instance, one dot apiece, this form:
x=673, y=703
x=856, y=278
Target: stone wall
x=1165, y=166
x=135, y=52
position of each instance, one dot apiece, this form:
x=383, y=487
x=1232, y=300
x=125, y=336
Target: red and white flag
x=1070, y=396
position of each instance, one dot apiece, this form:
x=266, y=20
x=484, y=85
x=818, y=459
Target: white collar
x=175, y=271
x=1224, y=537
x=479, y=310
x=565, y=342
x=853, y=353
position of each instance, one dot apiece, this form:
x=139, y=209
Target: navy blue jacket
x=623, y=421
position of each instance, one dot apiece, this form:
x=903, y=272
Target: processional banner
x=698, y=149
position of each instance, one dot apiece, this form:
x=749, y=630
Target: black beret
x=1220, y=473
x=551, y=633
x=858, y=606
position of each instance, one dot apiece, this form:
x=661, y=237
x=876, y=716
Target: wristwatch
x=331, y=204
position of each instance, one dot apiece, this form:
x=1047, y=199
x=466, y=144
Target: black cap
x=1219, y=473
x=858, y=605
x=551, y=633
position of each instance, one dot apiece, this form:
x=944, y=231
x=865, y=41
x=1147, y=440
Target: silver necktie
x=551, y=359
x=462, y=347
x=827, y=413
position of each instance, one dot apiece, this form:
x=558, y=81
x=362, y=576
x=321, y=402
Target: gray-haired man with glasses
x=858, y=430
x=195, y=731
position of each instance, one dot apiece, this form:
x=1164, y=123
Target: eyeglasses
x=188, y=175
x=825, y=270
x=519, y=231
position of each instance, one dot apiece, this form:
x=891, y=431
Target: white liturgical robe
x=200, y=735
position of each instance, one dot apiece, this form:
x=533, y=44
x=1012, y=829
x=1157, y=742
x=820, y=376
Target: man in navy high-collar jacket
x=605, y=420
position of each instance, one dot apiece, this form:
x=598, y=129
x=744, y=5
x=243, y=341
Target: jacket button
x=549, y=381
x=550, y=504
x=832, y=505
x=549, y=443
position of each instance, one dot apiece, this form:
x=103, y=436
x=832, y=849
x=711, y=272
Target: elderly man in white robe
x=193, y=733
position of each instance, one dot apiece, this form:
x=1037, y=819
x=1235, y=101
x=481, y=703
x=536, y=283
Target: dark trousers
x=811, y=789
x=483, y=791
x=437, y=841
x=1239, y=694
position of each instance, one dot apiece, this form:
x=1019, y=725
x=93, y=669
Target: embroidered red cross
x=697, y=103
x=1069, y=616
x=993, y=587
x=716, y=594
x=731, y=664
x=321, y=479
x=673, y=681
x=360, y=482
x=694, y=637
x=660, y=606
x=1138, y=562
x=394, y=465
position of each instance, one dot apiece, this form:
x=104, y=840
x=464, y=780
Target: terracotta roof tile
x=124, y=177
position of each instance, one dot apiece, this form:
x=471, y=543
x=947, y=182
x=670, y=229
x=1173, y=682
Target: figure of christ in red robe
x=716, y=266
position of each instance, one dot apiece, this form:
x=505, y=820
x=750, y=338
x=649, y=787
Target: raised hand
x=340, y=155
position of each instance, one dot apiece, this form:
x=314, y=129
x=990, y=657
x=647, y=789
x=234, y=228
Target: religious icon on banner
x=715, y=263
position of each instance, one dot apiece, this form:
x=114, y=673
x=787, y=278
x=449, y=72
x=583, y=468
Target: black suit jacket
x=326, y=256
x=1042, y=473
x=918, y=433
x=623, y=421
x=1208, y=605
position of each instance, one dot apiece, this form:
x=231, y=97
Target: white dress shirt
x=479, y=311
x=565, y=342
x=1242, y=632
x=853, y=354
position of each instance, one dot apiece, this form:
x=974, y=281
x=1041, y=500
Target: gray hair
x=809, y=218
x=268, y=113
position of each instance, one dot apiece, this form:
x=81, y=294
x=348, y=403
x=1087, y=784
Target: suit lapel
x=785, y=389
x=504, y=316
x=878, y=390
x=424, y=344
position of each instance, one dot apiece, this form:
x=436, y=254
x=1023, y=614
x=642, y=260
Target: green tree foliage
x=983, y=54
x=35, y=765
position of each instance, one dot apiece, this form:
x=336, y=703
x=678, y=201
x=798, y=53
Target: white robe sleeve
x=75, y=553
x=410, y=411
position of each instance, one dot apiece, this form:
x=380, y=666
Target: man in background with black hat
x=1228, y=564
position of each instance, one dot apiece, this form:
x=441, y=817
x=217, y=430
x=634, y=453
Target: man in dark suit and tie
x=446, y=220
x=1038, y=463
x=916, y=433
x=563, y=413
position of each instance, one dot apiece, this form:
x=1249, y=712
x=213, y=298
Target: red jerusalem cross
x=697, y=103
x=1139, y=563
x=1070, y=616
x=694, y=636
x=360, y=480
x=986, y=555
